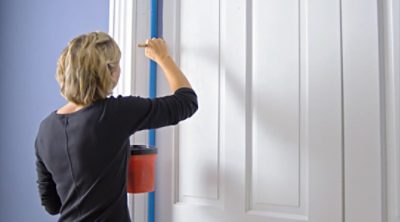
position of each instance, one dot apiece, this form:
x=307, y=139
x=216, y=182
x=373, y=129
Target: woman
x=82, y=148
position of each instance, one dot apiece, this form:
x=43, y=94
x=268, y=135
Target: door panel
x=198, y=144
x=275, y=92
x=261, y=121
x=198, y=153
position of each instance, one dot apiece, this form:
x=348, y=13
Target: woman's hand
x=156, y=50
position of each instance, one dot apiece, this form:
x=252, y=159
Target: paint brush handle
x=142, y=45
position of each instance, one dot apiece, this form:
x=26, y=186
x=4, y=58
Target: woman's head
x=88, y=68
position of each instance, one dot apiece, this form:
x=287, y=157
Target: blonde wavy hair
x=85, y=67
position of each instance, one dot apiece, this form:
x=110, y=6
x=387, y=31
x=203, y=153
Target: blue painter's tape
x=154, y=19
x=154, y=28
x=151, y=207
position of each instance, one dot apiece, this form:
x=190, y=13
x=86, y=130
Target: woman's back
x=85, y=153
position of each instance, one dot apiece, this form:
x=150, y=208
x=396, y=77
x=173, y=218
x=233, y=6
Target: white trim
x=121, y=20
x=391, y=53
x=175, y=17
x=364, y=129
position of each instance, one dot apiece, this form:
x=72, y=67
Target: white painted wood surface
x=363, y=126
x=273, y=103
x=390, y=23
x=323, y=91
x=199, y=141
x=299, y=110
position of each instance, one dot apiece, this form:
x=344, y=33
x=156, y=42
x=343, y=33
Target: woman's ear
x=115, y=75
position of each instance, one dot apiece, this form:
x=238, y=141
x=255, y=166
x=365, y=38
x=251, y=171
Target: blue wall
x=32, y=35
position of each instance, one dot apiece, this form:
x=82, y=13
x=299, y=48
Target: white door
x=298, y=112
x=266, y=143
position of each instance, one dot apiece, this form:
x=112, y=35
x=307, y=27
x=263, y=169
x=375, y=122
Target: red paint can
x=141, y=169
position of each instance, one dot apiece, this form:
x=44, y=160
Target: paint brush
x=142, y=45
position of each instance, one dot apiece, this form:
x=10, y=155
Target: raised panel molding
x=306, y=143
x=275, y=103
x=275, y=166
x=197, y=140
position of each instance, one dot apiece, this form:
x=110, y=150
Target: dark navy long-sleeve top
x=82, y=157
